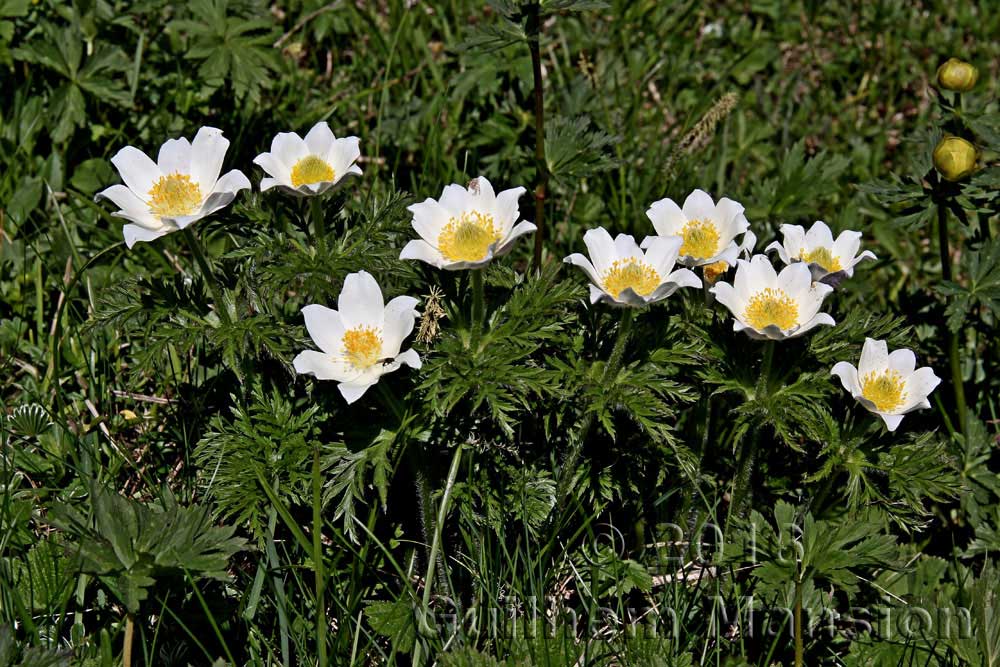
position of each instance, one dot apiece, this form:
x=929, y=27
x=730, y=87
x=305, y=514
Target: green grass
x=125, y=393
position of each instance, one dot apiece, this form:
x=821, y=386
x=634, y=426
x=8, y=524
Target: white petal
x=625, y=246
x=321, y=365
x=819, y=236
x=661, y=252
x=846, y=246
x=576, y=259
x=891, y=421
x=429, y=219
x=601, y=249
x=208, y=150
x=289, y=148
x=507, y=207
x=319, y=139
x=684, y=278
x=274, y=168
x=424, y=251
x=730, y=219
x=410, y=358
x=137, y=171
x=760, y=274
x=233, y=181
x=780, y=249
x=794, y=241
x=874, y=357
x=598, y=294
x=268, y=183
x=848, y=375
x=812, y=323
x=136, y=233
x=456, y=200
x=131, y=205
x=325, y=327
x=667, y=217
x=902, y=361
x=400, y=315
x=699, y=206
x=175, y=157
x=342, y=155
x=727, y=296
x=487, y=196
x=520, y=229
x=919, y=386
x=360, y=303
x=352, y=392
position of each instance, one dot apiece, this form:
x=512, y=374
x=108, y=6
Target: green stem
x=319, y=223
x=206, y=271
x=478, y=305
x=568, y=466
x=534, y=30
x=799, y=648
x=127, y=648
x=317, y=528
x=954, y=357
x=748, y=452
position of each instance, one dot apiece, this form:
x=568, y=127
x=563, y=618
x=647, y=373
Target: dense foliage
x=560, y=482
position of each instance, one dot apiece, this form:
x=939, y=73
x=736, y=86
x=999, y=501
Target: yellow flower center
x=771, y=306
x=631, y=272
x=311, y=169
x=713, y=271
x=886, y=389
x=468, y=239
x=362, y=347
x=823, y=257
x=174, y=195
x=701, y=239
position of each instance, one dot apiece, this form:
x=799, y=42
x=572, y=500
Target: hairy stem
x=206, y=271
x=799, y=648
x=317, y=528
x=954, y=358
x=319, y=224
x=568, y=465
x=748, y=452
x=478, y=305
x=534, y=29
x=127, y=648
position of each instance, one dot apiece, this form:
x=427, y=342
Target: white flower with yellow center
x=817, y=248
x=182, y=186
x=888, y=384
x=770, y=305
x=309, y=166
x=360, y=342
x=707, y=230
x=467, y=227
x=621, y=273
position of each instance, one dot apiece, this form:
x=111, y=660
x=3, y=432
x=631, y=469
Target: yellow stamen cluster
x=174, y=195
x=714, y=271
x=468, y=238
x=701, y=239
x=886, y=389
x=631, y=272
x=823, y=257
x=362, y=347
x=771, y=306
x=311, y=169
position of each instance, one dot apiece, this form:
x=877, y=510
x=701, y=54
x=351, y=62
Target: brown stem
x=954, y=356
x=127, y=649
x=541, y=166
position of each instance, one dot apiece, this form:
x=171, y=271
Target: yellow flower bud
x=955, y=158
x=957, y=75
x=712, y=272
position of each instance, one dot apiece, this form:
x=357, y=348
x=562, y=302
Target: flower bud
x=957, y=75
x=955, y=158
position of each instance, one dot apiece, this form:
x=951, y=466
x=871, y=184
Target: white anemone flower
x=181, y=187
x=360, y=342
x=888, y=384
x=310, y=166
x=828, y=260
x=770, y=305
x=622, y=274
x=467, y=227
x=708, y=230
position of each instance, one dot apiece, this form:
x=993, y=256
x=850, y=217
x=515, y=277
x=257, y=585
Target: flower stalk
x=610, y=371
x=317, y=530
x=206, y=271
x=534, y=30
x=319, y=224
x=954, y=359
x=478, y=305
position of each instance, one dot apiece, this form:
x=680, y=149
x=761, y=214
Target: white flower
x=773, y=305
x=309, y=166
x=467, y=227
x=890, y=385
x=707, y=230
x=360, y=342
x=825, y=257
x=622, y=274
x=182, y=186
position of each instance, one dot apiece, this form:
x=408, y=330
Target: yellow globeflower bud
x=955, y=158
x=957, y=75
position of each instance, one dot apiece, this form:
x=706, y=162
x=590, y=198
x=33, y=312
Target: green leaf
x=396, y=621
